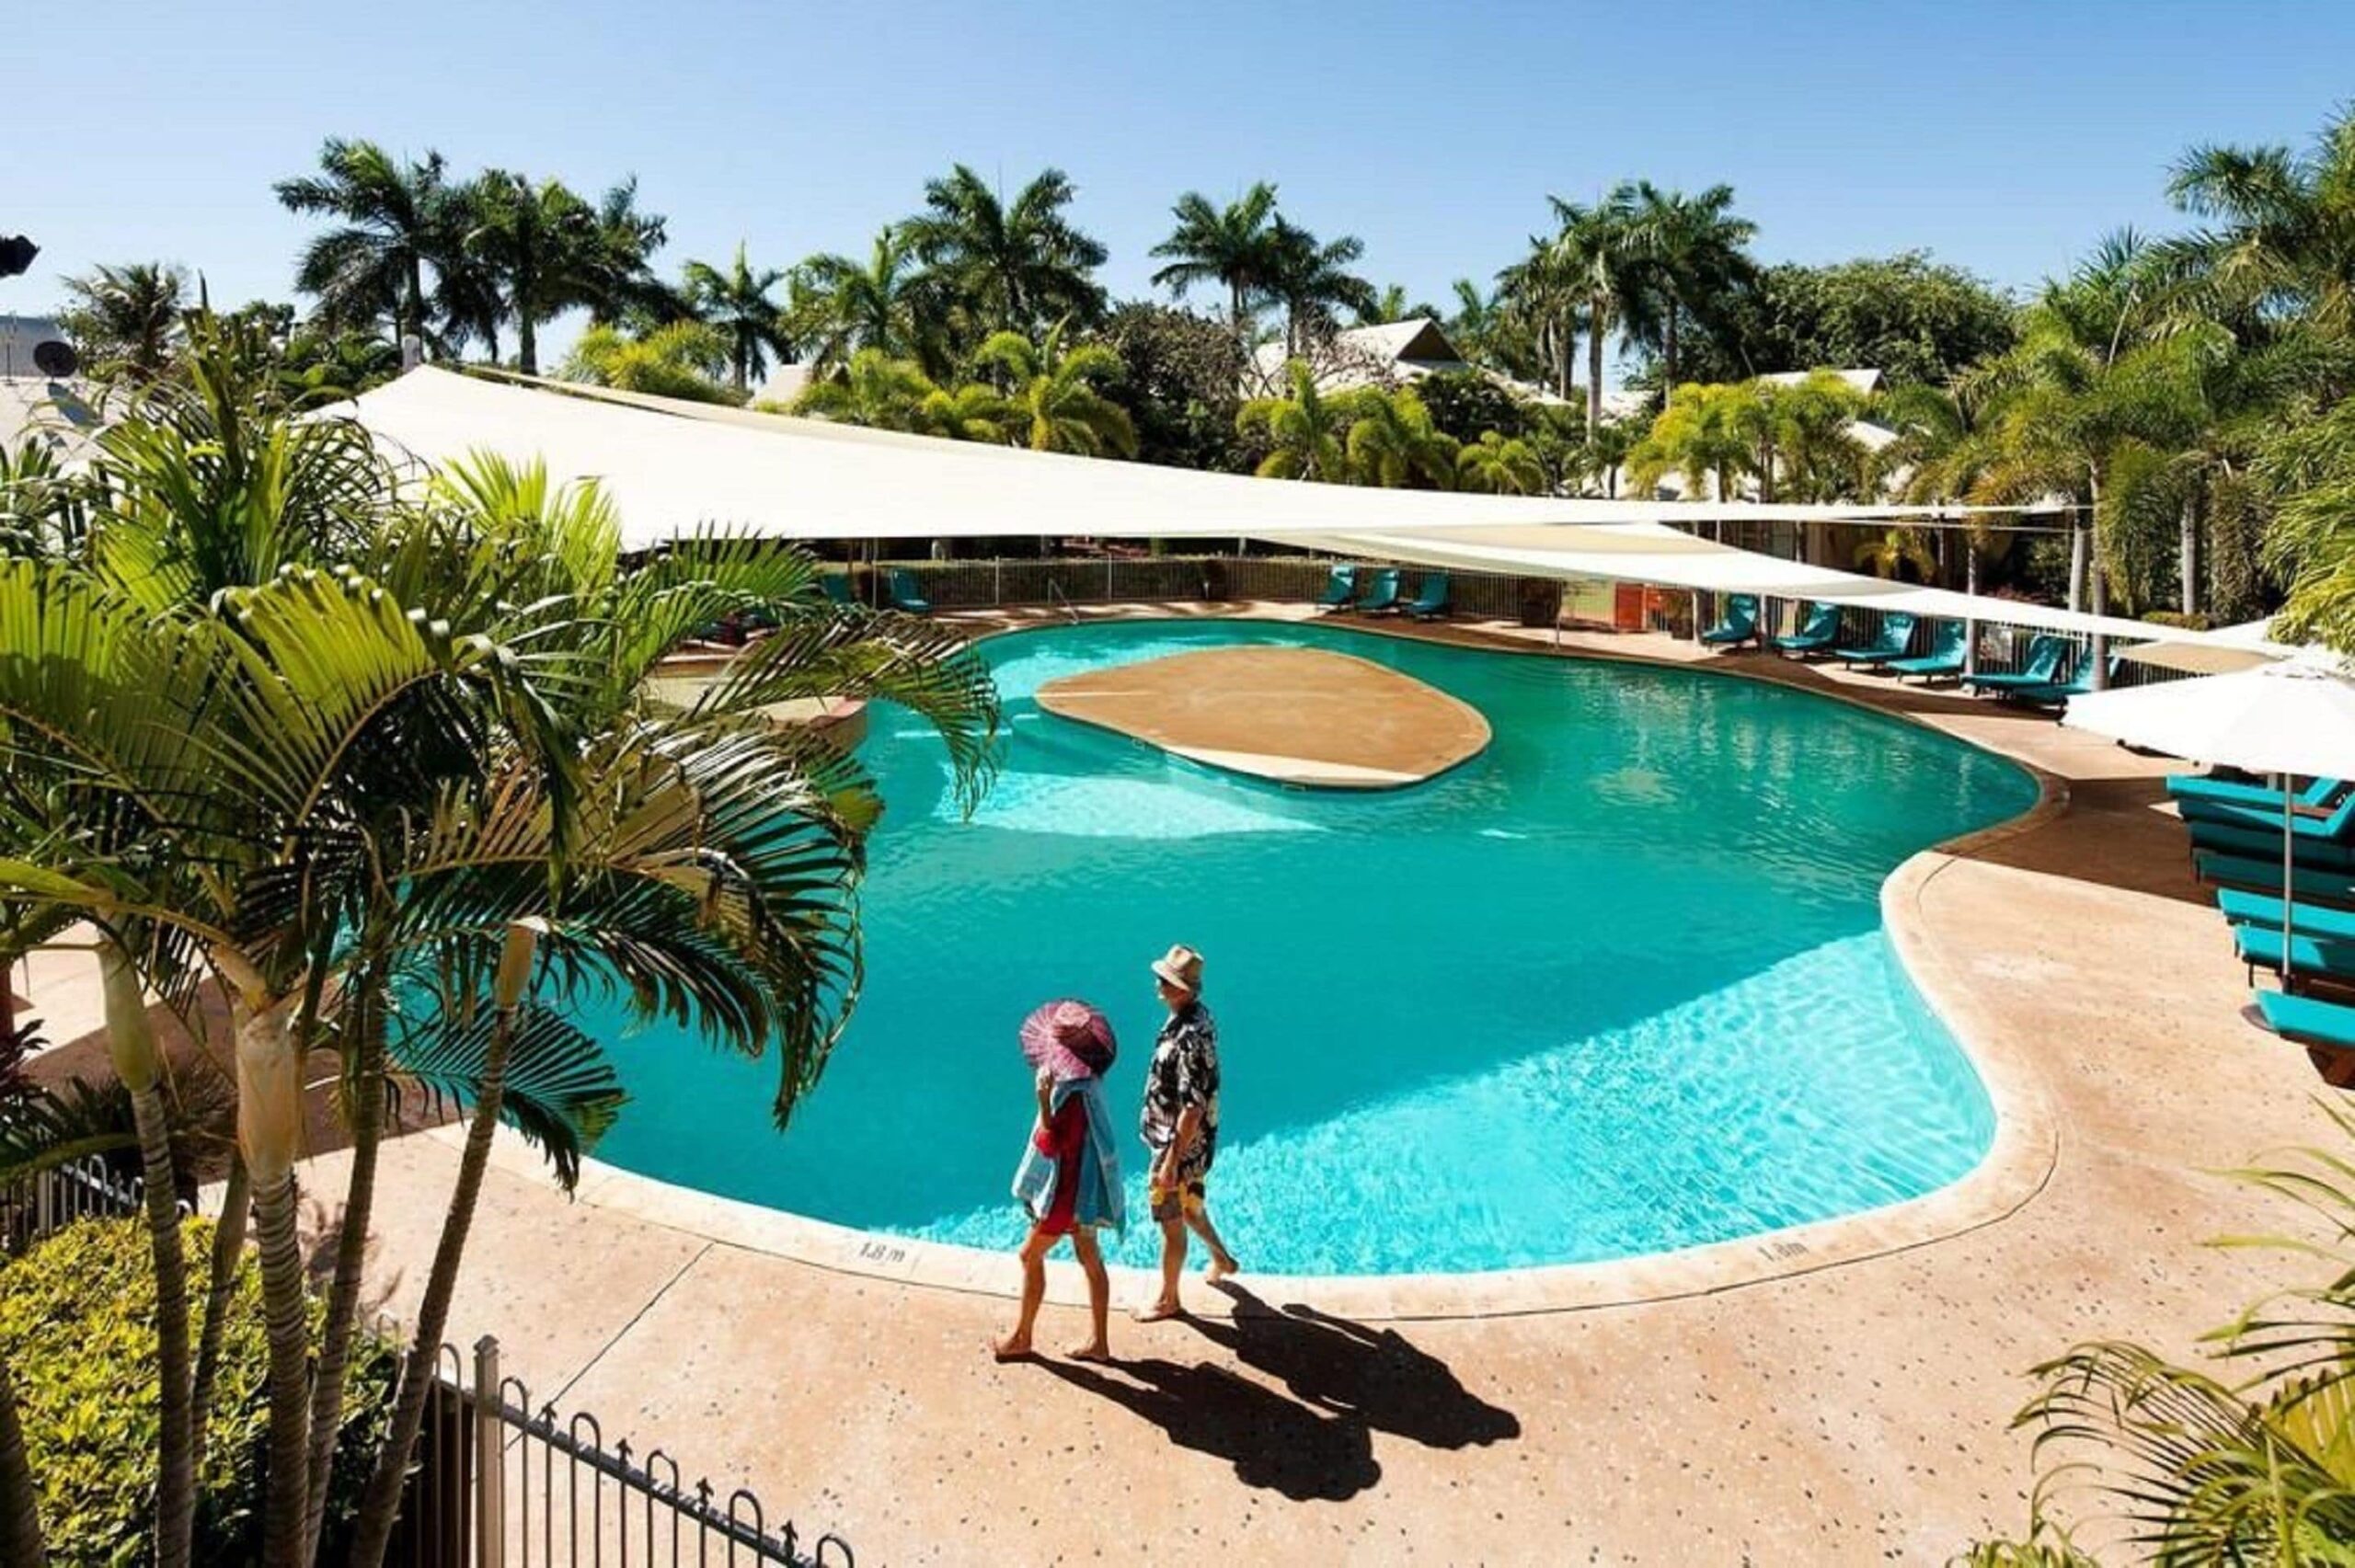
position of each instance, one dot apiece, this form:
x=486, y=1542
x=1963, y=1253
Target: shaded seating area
x=1737, y=624
x=837, y=588
x=1819, y=630
x=1381, y=593
x=1341, y=587
x=1895, y=636
x=1430, y=600
x=2048, y=657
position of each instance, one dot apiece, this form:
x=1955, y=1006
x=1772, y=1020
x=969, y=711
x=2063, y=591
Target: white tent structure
x=671, y=466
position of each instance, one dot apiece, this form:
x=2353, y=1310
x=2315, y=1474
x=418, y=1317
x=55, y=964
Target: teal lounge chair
x=2242, y=871
x=2324, y=793
x=907, y=594
x=2255, y=843
x=1340, y=588
x=2307, y=1021
x=2313, y=956
x=2054, y=693
x=1431, y=599
x=1817, y=633
x=1943, y=658
x=1896, y=631
x=2336, y=826
x=1381, y=594
x=2046, y=655
x=2321, y=922
x=1737, y=626
x=837, y=586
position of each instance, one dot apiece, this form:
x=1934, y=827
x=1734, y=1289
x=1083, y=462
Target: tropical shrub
x=77, y=1317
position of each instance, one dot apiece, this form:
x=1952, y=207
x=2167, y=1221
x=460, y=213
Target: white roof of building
x=1860, y=380
x=63, y=416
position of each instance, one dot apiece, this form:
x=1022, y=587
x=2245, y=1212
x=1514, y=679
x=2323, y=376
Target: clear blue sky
x=2004, y=135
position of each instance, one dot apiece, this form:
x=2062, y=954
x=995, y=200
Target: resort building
x=1391, y=353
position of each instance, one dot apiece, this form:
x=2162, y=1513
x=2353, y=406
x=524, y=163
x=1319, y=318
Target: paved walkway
x=1855, y=1414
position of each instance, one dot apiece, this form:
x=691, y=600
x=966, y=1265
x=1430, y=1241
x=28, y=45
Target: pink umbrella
x=1069, y=1038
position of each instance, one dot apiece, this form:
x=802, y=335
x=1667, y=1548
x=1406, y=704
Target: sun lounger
x=907, y=594
x=1381, y=595
x=2046, y=655
x=2323, y=792
x=2307, y=1021
x=2323, y=923
x=1817, y=633
x=1896, y=631
x=2314, y=884
x=1945, y=658
x=2256, y=844
x=837, y=587
x=2260, y=948
x=2336, y=826
x=1430, y=600
x=1340, y=588
x=1737, y=626
x=2055, y=694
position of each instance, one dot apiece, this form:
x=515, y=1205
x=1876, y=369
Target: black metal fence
x=498, y=1484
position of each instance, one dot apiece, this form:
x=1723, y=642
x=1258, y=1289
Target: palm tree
x=1392, y=442
x=126, y=318
x=1054, y=401
x=738, y=303
x=1707, y=435
x=1889, y=554
x=841, y=306
x=881, y=392
x=2285, y=239
x=1501, y=466
x=1306, y=432
x=544, y=250
x=1007, y=267
x=1313, y=281
x=1539, y=304
x=394, y=222
x=1596, y=255
x=1691, y=252
x=616, y=280
x=1478, y=326
x=685, y=358
x=1231, y=246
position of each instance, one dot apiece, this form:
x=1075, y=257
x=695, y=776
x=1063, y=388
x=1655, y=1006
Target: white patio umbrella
x=2293, y=718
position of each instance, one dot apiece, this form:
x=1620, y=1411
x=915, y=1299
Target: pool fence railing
x=496, y=1482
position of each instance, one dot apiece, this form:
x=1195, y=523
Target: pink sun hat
x=1069, y=1038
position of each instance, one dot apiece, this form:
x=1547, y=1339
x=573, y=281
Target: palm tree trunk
x=380, y=1505
x=270, y=1118
x=228, y=1252
x=1597, y=323
x=131, y=1042
x=527, y=344
x=2097, y=591
x=2188, y=555
x=1670, y=385
x=351, y=1255
x=1561, y=346
x=415, y=308
x=20, y=1537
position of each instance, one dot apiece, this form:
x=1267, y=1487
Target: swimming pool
x=1615, y=985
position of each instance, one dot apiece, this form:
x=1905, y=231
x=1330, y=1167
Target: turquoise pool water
x=1617, y=986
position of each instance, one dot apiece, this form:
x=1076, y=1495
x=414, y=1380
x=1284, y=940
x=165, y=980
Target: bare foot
x=1222, y=1267
x=1013, y=1347
x=1160, y=1312
x=1095, y=1350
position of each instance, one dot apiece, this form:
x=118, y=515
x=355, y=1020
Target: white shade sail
x=671, y=466
x=2296, y=716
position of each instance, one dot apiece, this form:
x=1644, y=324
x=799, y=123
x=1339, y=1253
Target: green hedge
x=78, y=1324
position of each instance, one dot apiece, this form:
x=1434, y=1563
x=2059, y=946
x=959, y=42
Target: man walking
x=1180, y=1126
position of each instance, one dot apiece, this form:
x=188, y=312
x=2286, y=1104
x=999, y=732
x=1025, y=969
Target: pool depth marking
x=1296, y=715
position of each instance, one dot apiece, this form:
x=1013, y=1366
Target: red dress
x=1062, y=1137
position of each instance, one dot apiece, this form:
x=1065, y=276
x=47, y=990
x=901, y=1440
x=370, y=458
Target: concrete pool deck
x=1844, y=1413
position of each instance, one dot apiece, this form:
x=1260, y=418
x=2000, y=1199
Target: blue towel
x=1100, y=1200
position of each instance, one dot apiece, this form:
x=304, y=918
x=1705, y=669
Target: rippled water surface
x=1617, y=986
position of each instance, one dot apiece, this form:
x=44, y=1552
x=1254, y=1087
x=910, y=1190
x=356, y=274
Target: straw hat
x=1182, y=968
x=1069, y=1038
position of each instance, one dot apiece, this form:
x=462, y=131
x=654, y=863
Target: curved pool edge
x=2018, y=1162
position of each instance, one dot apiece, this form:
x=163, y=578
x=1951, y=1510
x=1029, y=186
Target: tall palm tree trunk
x=336, y=1335
x=269, y=1116
x=2096, y=591
x=228, y=1252
x=1671, y=367
x=527, y=344
x=132, y=1045
x=2188, y=555
x=20, y=1537
x=380, y=1503
x=1597, y=323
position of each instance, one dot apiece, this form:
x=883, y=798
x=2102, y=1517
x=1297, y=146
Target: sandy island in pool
x=1296, y=715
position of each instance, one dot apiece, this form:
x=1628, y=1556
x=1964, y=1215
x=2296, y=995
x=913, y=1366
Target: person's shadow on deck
x=1347, y=1382
x=1272, y=1442
x=1375, y=1376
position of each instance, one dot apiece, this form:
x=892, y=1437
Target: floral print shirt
x=1184, y=1072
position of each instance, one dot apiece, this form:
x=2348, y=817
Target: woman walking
x=1069, y=1176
